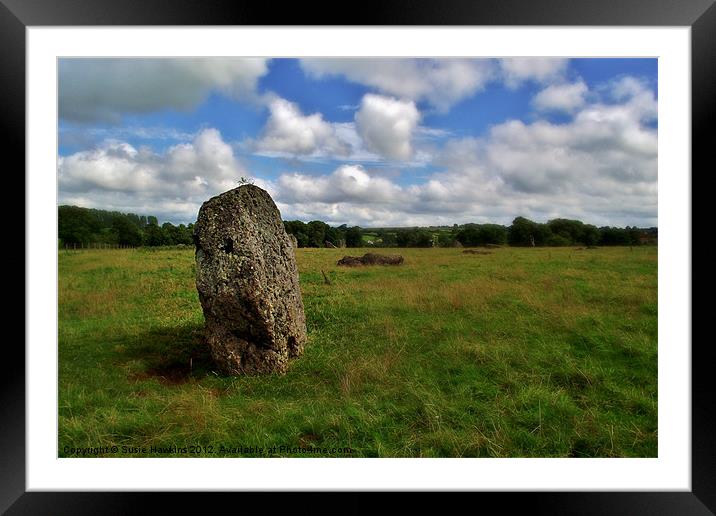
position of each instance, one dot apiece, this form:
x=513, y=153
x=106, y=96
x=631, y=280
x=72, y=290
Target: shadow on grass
x=171, y=355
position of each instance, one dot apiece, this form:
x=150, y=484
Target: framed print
x=197, y=321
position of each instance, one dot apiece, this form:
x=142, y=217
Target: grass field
x=539, y=352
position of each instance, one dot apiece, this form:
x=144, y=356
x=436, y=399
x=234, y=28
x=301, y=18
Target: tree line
x=521, y=233
x=85, y=226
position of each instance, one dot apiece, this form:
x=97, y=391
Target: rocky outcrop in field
x=370, y=259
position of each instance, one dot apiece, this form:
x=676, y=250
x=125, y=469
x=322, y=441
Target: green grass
x=521, y=353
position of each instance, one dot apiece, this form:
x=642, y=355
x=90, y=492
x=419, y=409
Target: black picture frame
x=16, y=15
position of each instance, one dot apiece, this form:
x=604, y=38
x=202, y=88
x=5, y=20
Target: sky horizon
x=373, y=142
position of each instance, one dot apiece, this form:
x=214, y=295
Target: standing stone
x=247, y=280
x=294, y=241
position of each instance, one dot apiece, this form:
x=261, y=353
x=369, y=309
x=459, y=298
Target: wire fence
x=94, y=245
x=98, y=245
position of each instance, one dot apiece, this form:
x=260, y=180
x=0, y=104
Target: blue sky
x=373, y=142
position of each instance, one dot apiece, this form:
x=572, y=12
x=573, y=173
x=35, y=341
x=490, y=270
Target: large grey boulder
x=247, y=280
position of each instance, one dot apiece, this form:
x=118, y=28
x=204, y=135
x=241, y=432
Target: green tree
x=153, y=235
x=614, y=236
x=414, y=237
x=77, y=225
x=482, y=234
x=184, y=234
x=171, y=233
x=445, y=239
x=298, y=229
x=126, y=232
x=524, y=232
x=316, y=231
x=590, y=235
x=354, y=237
x=388, y=238
x=334, y=236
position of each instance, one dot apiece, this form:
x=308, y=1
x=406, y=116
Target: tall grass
x=519, y=353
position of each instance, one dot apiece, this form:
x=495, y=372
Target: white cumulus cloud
x=516, y=70
x=348, y=183
x=440, y=82
x=386, y=125
x=600, y=167
x=289, y=131
x=105, y=89
x=561, y=97
x=171, y=185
